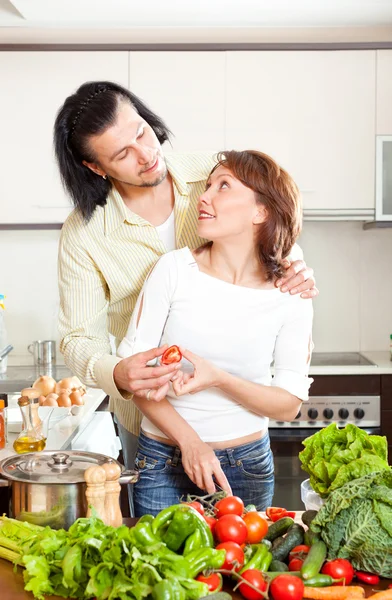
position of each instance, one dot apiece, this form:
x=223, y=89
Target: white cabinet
x=33, y=85
x=187, y=90
x=314, y=112
x=384, y=92
x=384, y=178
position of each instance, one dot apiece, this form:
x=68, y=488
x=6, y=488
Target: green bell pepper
x=181, y=526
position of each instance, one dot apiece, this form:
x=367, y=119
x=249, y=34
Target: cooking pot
x=48, y=488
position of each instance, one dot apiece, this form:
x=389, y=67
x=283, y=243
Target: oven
x=339, y=399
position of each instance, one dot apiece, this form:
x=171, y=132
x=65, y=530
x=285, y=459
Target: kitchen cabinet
x=34, y=85
x=186, y=89
x=384, y=92
x=314, y=112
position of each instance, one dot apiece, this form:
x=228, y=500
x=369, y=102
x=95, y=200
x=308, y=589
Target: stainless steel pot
x=48, y=488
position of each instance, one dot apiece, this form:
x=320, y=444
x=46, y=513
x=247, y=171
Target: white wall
x=353, y=269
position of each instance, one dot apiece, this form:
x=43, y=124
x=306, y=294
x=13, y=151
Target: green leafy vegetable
x=334, y=456
x=356, y=523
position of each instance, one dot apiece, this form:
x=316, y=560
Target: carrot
x=383, y=595
x=337, y=593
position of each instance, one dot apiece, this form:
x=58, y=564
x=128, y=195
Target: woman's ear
x=261, y=215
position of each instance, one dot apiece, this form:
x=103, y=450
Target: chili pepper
x=369, y=578
x=259, y=552
x=193, y=542
x=146, y=519
x=181, y=526
x=144, y=535
x=320, y=580
x=167, y=514
x=205, y=558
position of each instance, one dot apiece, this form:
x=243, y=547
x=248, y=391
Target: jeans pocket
x=145, y=463
x=258, y=466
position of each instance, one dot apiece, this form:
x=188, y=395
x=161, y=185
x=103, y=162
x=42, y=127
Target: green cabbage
x=356, y=523
x=334, y=456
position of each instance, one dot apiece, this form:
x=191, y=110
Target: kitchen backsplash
x=352, y=266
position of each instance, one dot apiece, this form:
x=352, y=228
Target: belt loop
x=229, y=452
x=176, y=456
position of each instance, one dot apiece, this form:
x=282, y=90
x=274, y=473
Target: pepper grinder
x=95, y=478
x=112, y=494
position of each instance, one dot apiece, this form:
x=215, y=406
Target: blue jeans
x=249, y=469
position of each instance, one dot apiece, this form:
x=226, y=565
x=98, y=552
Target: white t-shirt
x=167, y=233
x=241, y=330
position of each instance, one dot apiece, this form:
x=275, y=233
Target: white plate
x=57, y=413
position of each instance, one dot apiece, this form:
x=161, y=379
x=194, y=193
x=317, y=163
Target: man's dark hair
x=90, y=111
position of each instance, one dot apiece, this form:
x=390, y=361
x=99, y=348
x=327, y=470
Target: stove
x=336, y=359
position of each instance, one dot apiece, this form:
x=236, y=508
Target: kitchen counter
x=382, y=366
x=64, y=434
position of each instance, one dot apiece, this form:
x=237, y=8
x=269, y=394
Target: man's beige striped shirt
x=102, y=267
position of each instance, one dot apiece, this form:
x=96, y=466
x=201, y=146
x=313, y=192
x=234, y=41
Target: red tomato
x=231, y=528
x=211, y=522
x=255, y=577
x=231, y=505
x=339, y=568
x=286, y=587
x=257, y=527
x=295, y=564
x=214, y=581
x=197, y=506
x=171, y=355
x=234, y=555
x=299, y=551
x=274, y=513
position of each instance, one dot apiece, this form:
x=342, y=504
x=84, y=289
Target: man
x=132, y=205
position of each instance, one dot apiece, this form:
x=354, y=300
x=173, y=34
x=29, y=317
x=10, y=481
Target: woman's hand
x=202, y=467
x=204, y=376
x=298, y=279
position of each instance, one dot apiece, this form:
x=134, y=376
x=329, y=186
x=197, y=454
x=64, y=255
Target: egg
x=41, y=400
x=53, y=396
x=50, y=402
x=76, y=398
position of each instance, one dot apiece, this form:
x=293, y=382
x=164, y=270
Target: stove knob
x=328, y=413
x=359, y=413
x=298, y=415
x=312, y=414
x=343, y=413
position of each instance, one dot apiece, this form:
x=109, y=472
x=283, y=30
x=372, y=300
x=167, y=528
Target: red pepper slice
x=274, y=513
x=369, y=578
x=171, y=355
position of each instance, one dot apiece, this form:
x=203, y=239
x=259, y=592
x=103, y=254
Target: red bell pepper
x=274, y=513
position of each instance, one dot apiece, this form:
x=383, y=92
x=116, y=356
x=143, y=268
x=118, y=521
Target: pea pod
x=314, y=560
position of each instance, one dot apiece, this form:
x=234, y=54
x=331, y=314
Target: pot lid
x=51, y=467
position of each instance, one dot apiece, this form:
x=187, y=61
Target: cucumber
x=314, y=560
x=308, y=516
x=278, y=565
x=282, y=546
x=311, y=537
x=278, y=528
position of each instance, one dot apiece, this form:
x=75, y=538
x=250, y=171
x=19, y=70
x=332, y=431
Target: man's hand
x=298, y=279
x=204, y=376
x=202, y=467
x=133, y=375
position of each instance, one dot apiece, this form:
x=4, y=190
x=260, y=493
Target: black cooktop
x=332, y=359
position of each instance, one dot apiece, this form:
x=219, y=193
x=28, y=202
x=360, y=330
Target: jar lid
x=51, y=467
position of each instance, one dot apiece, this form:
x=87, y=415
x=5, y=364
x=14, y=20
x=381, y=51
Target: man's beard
x=147, y=184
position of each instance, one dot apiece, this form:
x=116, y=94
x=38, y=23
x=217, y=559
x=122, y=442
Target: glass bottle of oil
x=31, y=438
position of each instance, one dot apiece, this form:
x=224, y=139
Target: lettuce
x=334, y=456
x=356, y=523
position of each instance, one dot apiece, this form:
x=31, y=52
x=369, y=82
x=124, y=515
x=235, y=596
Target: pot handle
x=128, y=476
x=4, y=482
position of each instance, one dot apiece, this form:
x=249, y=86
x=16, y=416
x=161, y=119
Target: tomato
x=274, y=513
x=339, y=568
x=231, y=505
x=197, y=506
x=231, y=528
x=295, y=564
x=299, y=551
x=234, y=555
x=214, y=581
x=286, y=587
x=171, y=355
x=257, y=527
x=211, y=522
x=255, y=577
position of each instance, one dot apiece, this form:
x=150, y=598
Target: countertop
x=12, y=582
x=382, y=366
x=64, y=433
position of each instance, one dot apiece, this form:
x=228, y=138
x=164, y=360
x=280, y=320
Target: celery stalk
x=13, y=557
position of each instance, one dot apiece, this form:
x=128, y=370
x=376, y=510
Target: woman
x=221, y=301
